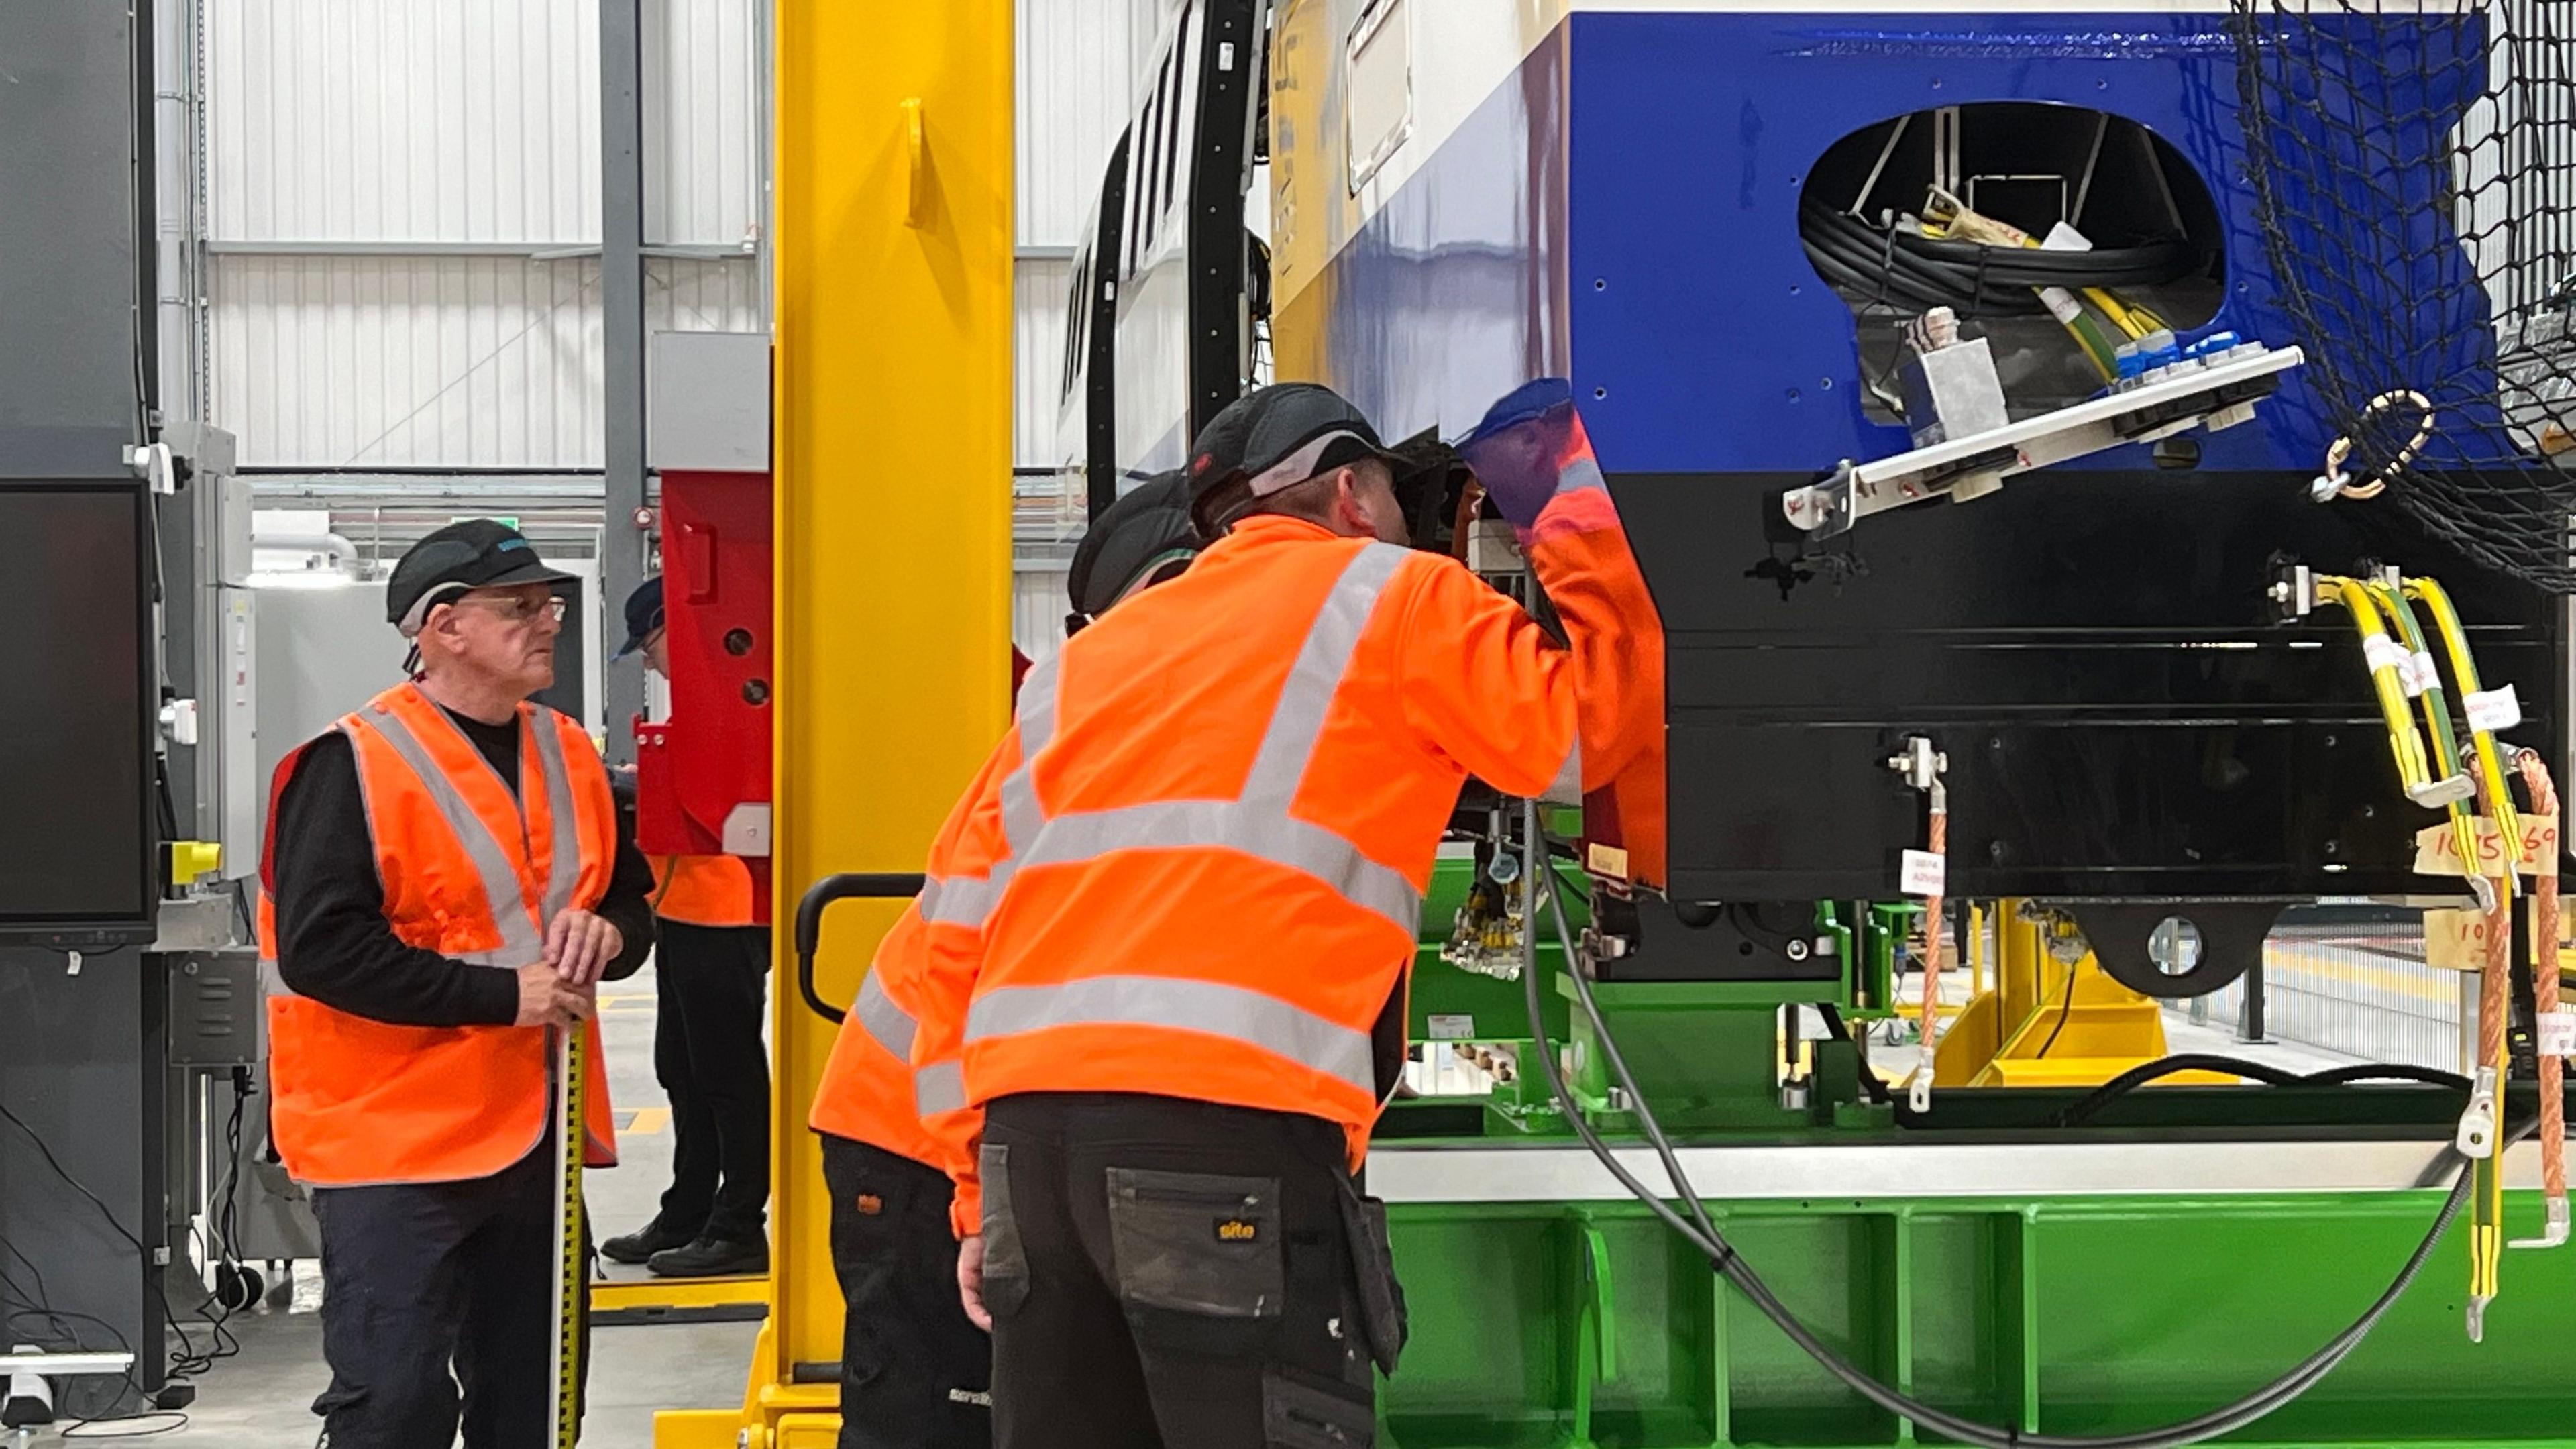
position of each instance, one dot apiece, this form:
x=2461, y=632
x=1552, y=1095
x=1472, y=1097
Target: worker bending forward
x=1177, y=921
x=915, y=1373
x=446, y=886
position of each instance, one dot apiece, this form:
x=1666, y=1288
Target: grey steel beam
x=621, y=290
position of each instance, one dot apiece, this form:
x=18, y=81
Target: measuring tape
x=574, y=1279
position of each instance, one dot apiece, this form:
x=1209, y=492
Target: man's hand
x=970, y=1281
x=580, y=946
x=546, y=999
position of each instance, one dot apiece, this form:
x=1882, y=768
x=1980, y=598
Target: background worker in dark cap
x=915, y=1373
x=446, y=883
x=711, y=988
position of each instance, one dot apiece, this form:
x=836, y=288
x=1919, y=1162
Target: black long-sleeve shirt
x=333, y=941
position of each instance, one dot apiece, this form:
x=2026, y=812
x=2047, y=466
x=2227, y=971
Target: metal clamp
x=2477, y=1134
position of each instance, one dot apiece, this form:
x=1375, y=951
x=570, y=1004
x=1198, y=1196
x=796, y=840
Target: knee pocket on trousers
x=1006, y=1259
x=1298, y=1414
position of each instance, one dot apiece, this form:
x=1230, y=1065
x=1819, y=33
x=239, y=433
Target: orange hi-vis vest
x=872, y=1091
x=1201, y=870
x=471, y=873
x=703, y=890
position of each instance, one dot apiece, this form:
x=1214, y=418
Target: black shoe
x=656, y=1236
x=711, y=1258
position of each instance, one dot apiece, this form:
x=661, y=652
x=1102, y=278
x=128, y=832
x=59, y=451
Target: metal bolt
x=1797, y=950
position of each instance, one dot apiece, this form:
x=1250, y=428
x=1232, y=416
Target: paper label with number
x=2557, y=1034
x=1923, y=874
x=2437, y=848
x=1452, y=1028
x=2428, y=675
x=2494, y=709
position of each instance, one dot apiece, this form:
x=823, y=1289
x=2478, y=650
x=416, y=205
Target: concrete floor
x=263, y=1398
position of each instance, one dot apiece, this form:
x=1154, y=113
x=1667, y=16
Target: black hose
x=2085, y=1108
x=809, y=922
x=1702, y=1234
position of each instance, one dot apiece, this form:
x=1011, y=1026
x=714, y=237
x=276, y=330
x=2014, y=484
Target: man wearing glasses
x=446, y=883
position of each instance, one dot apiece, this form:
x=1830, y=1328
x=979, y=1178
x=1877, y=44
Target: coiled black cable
x=1892, y=265
x=1702, y=1233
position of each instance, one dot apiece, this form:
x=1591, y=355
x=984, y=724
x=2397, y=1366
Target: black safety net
x=2413, y=164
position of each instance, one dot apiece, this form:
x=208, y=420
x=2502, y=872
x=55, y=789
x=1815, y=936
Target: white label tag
x=2557, y=1034
x=2494, y=709
x=2064, y=238
x=1923, y=874
x=1452, y=1028
x=2382, y=652
x=2428, y=675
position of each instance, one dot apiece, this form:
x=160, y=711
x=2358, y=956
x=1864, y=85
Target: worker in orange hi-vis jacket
x=915, y=1372
x=1169, y=938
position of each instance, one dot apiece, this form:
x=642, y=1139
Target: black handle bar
x=809, y=921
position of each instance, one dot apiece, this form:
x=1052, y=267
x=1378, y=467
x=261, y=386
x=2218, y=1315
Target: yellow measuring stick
x=573, y=1279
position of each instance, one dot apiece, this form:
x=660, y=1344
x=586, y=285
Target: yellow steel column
x=894, y=407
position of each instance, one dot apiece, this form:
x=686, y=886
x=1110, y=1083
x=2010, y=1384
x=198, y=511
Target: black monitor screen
x=75, y=832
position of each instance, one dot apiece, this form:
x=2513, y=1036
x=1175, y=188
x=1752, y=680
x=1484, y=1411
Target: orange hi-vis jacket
x=473, y=874
x=872, y=1091
x=1196, y=867
x=703, y=890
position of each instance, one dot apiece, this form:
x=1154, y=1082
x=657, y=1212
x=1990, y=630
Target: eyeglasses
x=519, y=608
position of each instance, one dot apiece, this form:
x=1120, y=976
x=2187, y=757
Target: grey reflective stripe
x=273, y=980
x=1567, y=787
x=1022, y=814
x=521, y=942
x=890, y=1024
x=1257, y=823
x=1236, y=1013
x=1226, y=825
x=563, y=872
x=965, y=901
x=1316, y=676
x=939, y=1088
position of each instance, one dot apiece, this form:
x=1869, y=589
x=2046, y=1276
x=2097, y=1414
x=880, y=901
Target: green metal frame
x=1566, y=1325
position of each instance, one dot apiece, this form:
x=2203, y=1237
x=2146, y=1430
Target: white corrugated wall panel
x=466, y=362
x=404, y=120
x=1038, y=606
x=1037, y=308
x=1073, y=101
x=702, y=180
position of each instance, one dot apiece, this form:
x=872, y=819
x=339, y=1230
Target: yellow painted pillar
x=894, y=410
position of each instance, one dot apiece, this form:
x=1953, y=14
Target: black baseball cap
x=476, y=553
x=1277, y=437
x=1146, y=532
x=643, y=616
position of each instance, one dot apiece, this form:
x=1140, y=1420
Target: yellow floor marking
x=645, y=1121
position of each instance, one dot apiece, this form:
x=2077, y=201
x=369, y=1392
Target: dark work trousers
x=711, y=991
x=915, y=1371
x=1167, y=1272
x=433, y=1288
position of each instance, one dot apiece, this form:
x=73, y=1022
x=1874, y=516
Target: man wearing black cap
x=1179, y=950
x=447, y=883
x=710, y=992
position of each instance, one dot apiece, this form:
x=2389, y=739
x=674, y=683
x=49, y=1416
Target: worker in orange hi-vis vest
x=446, y=883
x=1170, y=939
x=915, y=1372
x=711, y=994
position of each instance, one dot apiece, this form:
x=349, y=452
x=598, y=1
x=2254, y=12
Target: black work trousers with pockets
x=916, y=1373
x=438, y=1309
x=1173, y=1273
x=711, y=993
